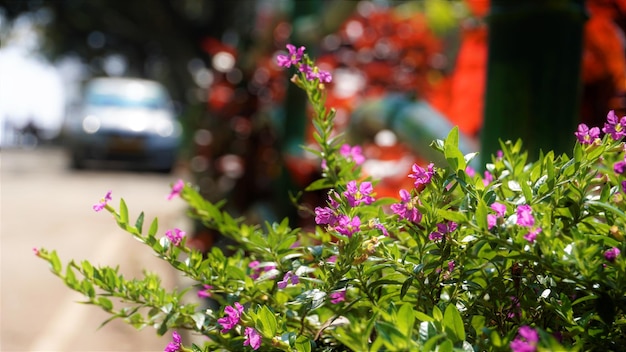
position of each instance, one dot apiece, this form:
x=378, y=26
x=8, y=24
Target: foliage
x=525, y=258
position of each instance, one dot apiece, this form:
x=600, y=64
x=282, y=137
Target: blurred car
x=124, y=119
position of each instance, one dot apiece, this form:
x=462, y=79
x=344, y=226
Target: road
x=44, y=204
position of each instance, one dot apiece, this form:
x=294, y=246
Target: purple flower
x=532, y=235
x=325, y=77
x=206, y=292
x=488, y=178
x=624, y=186
x=289, y=276
x=175, y=236
x=325, y=216
x=451, y=265
x=175, y=345
x=352, y=153
x=585, y=135
x=406, y=208
x=422, y=176
x=232, y=317
x=492, y=221
x=357, y=195
x=524, y=215
x=348, y=226
x=442, y=229
x=293, y=58
x=612, y=254
x=526, y=340
x=338, y=296
x=103, y=202
x=615, y=126
x=620, y=167
x=259, y=269
x=515, y=308
x=252, y=338
x=470, y=171
x=176, y=189
x=499, y=208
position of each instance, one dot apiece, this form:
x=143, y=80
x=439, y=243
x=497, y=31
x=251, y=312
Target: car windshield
x=133, y=95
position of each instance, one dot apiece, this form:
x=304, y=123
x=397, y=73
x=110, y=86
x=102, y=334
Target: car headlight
x=91, y=124
x=164, y=128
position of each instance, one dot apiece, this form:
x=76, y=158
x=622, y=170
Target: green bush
x=524, y=257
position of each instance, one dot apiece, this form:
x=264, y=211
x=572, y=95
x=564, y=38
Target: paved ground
x=44, y=204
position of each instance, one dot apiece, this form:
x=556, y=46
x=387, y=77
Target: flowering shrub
x=526, y=257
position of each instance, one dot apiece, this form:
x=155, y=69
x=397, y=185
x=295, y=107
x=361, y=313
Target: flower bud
x=616, y=233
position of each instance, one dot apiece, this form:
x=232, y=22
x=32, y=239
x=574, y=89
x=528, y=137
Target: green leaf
x=451, y=150
x=105, y=303
x=55, y=262
x=455, y=216
x=303, y=344
x=453, y=323
x=392, y=337
x=481, y=215
x=322, y=183
x=139, y=223
x=266, y=322
x=154, y=227
x=405, y=319
x=123, y=211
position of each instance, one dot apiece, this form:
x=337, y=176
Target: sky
x=31, y=88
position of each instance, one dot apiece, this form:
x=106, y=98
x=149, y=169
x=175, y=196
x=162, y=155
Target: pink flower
x=470, y=171
x=252, y=338
x=451, y=265
x=289, y=276
x=176, y=189
x=499, y=208
x=359, y=195
x=103, y=202
x=524, y=215
x=232, y=317
x=338, y=296
x=206, y=292
x=615, y=126
x=36, y=251
x=406, y=208
x=175, y=345
x=612, y=254
x=259, y=269
x=422, y=176
x=175, y=236
x=488, y=178
x=352, y=153
x=326, y=216
x=526, y=340
x=293, y=58
x=348, y=226
x=532, y=235
x=586, y=135
x=620, y=167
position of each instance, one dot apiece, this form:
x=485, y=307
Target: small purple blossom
x=293, y=57
x=406, y=208
x=526, y=340
x=470, y=171
x=252, y=338
x=103, y=202
x=337, y=296
x=620, y=167
x=499, y=208
x=175, y=344
x=624, y=186
x=488, y=178
x=205, y=292
x=325, y=216
x=289, y=276
x=325, y=77
x=232, y=317
x=524, y=216
x=175, y=236
x=375, y=224
x=352, y=153
x=451, y=265
x=492, y=221
x=358, y=195
x=612, y=254
x=615, y=126
x=532, y=235
x=515, y=310
x=258, y=269
x=586, y=135
x=348, y=226
x=422, y=176
x=442, y=229
x=176, y=189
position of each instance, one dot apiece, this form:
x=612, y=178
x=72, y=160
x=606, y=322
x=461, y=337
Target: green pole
x=533, y=75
